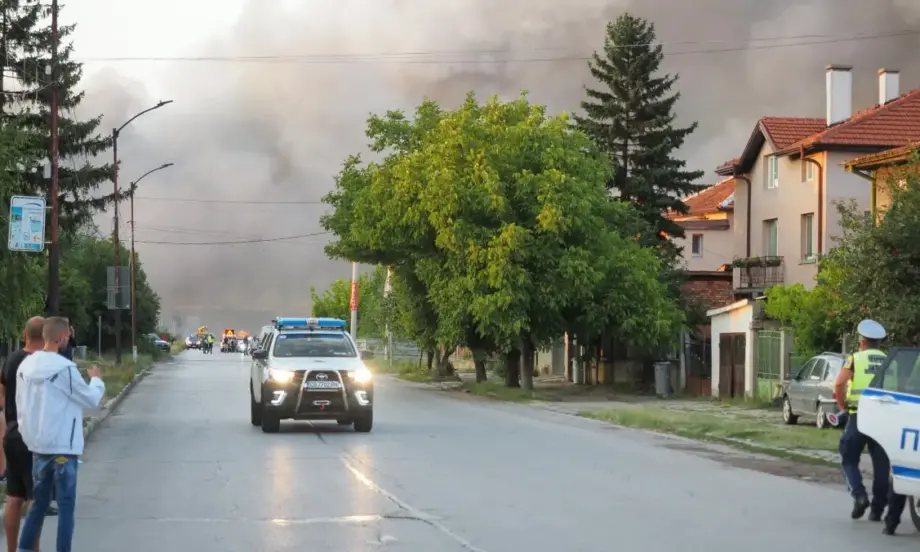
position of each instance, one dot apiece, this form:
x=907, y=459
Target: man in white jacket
x=51, y=396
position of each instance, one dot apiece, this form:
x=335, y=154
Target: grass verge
x=711, y=427
x=117, y=377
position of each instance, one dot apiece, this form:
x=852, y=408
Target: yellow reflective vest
x=864, y=364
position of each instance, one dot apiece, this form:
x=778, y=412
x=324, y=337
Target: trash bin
x=81, y=352
x=663, y=379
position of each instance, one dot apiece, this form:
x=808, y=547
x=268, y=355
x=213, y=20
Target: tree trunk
x=430, y=355
x=479, y=361
x=444, y=367
x=527, y=358
x=513, y=368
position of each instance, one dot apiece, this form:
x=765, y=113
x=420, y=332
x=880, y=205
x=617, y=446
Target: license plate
x=323, y=385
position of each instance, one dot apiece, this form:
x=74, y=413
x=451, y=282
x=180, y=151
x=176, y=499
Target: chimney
x=889, y=81
x=839, y=93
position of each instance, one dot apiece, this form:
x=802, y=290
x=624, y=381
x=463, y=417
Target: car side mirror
x=260, y=354
x=367, y=355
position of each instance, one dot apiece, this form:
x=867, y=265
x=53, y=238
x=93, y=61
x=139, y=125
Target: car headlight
x=361, y=375
x=280, y=376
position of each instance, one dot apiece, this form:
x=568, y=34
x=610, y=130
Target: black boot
x=889, y=528
x=860, y=505
x=875, y=515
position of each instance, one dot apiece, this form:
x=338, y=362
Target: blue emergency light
x=310, y=323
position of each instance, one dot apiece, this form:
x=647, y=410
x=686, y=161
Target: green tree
x=84, y=293
x=497, y=221
x=630, y=115
x=22, y=280
x=813, y=316
x=875, y=268
x=27, y=41
x=335, y=302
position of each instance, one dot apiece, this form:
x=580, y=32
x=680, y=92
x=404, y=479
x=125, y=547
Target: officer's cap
x=870, y=329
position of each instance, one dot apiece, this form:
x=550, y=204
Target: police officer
x=856, y=375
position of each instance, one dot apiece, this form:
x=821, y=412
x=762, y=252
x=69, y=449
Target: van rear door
x=889, y=412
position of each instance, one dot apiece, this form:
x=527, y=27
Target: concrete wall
x=718, y=249
x=842, y=187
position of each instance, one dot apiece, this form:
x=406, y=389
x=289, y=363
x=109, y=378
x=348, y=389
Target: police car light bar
x=309, y=323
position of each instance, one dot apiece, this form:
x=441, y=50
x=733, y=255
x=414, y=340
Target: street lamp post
x=115, y=134
x=132, y=189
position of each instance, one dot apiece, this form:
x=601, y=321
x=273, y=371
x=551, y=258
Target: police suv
x=889, y=412
x=310, y=369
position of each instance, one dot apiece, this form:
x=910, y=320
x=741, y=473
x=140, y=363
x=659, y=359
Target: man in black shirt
x=18, y=457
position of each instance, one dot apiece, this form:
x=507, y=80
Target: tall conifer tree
x=630, y=115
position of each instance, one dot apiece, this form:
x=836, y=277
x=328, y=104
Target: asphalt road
x=179, y=467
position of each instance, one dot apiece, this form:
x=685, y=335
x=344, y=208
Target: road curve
x=179, y=467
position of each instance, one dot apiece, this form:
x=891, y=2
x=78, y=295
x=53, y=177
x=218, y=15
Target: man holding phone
x=51, y=397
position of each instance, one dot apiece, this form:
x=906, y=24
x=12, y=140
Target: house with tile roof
x=707, y=241
x=877, y=168
x=788, y=179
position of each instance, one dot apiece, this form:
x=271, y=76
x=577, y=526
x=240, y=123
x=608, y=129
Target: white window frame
x=810, y=170
x=772, y=169
x=766, y=239
x=808, y=236
x=693, y=248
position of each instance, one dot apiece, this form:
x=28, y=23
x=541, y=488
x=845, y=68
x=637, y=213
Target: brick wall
x=712, y=292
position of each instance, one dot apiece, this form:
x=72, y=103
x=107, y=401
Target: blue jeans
x=58, y=473
x=852, y=444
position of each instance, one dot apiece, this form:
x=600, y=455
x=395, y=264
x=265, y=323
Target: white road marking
x=408, y=508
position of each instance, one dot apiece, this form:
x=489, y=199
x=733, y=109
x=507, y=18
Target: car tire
x=914, y=510
x=821, y=418
x=255, y=411
x=788, y=417
x=270, y=423
x=344, y=422
x=365, y=422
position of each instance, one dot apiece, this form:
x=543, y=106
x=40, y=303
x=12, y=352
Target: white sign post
x=27, y=224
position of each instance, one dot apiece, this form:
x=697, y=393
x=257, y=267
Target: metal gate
x=768, y=364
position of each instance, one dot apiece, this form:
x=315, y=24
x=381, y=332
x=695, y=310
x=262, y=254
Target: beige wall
x=717, y=249
x=788, y=202
x=843, y=187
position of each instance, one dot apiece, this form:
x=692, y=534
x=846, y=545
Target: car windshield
x=313, y=345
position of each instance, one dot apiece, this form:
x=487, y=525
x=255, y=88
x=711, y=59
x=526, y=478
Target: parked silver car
x=810, y=392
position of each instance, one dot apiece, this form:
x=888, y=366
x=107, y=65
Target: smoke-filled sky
x=277, y=128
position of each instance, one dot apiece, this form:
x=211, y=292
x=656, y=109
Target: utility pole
x=116, y=242
x=54, y=251
x=116, y=276
x=354, y=301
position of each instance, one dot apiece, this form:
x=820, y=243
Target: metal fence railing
x=768, y=363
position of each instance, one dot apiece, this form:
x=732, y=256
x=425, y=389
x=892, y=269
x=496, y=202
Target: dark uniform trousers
x=852, y=444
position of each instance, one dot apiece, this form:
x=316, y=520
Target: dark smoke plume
x=279, y=129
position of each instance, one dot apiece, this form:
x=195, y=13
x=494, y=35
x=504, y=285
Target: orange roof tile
x=785, y=131
x=885, y=157
x=893, y=124
x=711, y=200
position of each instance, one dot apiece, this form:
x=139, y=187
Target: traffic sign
x=27, y=223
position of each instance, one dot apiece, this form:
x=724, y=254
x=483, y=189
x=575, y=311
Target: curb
x=113, y=403
x=94, y=423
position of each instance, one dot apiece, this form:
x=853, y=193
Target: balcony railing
x=759, y=272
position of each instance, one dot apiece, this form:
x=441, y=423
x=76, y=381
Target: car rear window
x=834, y=365
x=312, y=344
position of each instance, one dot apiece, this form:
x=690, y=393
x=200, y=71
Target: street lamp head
x=161, y=103
x=166, y=165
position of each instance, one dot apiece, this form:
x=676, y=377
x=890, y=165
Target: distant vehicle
x=158, y=342
x=810, y=392
x=310, y=369
x=193, y=341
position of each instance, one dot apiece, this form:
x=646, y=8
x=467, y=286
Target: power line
x=230, y=201
x=239, y=242
x=413, y=57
